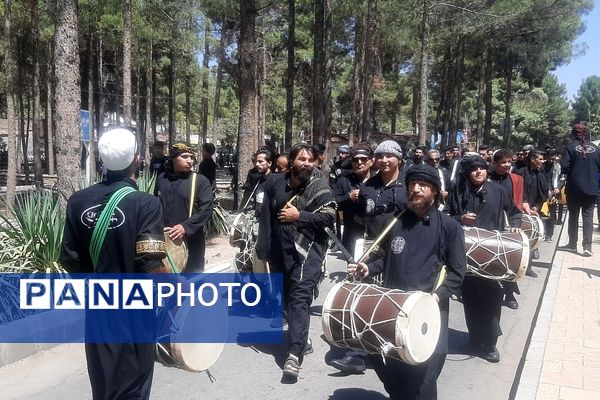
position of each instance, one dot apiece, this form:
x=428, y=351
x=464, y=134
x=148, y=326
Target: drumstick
x=340, y=246
x=480, y=207
x=440, y=279
x=381, y=236
x=289, y=202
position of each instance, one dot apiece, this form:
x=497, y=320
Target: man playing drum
x=175, y=189
x=416, y=248
x=297, y=207
x=477, y=202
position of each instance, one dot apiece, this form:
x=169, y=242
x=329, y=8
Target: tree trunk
x=358, y=75
x=127, y=39
x=319, y=98
x=366, y=124
x=172, y=93
x=260, y=84
x=50, y=112
x=480, y=95
x=188, y=108
x=223, y=41
x=507, y=105
x=487, y=100
x=149, y=125
x=247, y=86
x=22, y=164
x=11, y=106
x=205, y=73
x=68, y=97
x=37, y=126
x=457, y=87
x=424, y=74
x=291, y=72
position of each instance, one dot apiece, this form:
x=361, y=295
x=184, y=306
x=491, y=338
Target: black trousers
x=120, y=371
x=196, y=245
x=300, y=285
x=551, y=220
x=482, y=302
x=411, y=382
x=577, y=203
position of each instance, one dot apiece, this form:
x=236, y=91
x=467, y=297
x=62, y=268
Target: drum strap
x=103, y=222
x=192, y=194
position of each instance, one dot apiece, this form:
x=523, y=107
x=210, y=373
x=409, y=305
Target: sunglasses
x=360, y=159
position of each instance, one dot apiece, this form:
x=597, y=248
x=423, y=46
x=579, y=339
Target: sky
x=588, y=63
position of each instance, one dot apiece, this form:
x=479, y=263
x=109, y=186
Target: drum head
x=326, y=313
x=196, y=357
x=418, y=331
x=524, y=258
x=177, y=250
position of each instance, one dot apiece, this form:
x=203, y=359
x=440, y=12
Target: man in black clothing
x=384, y=193
x=415, y=250
x=116, y=370
x=208, y=167
x=581, y=164
x=482, y=298
x=174, y=189
x=433, y=159
x=346, y=192
x=253, y=189
x=157, y=162
x=297, y=206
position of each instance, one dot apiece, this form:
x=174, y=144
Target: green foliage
x=587, y=102
x=30, y=238
x=147, y=182
x=217, y=224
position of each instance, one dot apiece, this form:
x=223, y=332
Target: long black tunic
x=298, y=249
x=174, y=191
x=354, y=224
x=116, y=371
x=415, y=250
x=377, y=201
x=482, y=298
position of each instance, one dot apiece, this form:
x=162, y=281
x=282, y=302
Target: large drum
x=397, y=324
x=533, y=227
x=496, y=255
x=177, y=253
x=176, y=323
x=239, y=229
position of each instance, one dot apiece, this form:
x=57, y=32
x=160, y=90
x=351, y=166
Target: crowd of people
x=432, y=194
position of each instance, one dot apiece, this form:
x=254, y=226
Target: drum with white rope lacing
x=390, y=322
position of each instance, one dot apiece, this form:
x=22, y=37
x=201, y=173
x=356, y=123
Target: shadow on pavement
x=337, y=277
x=590, y=272
x=457, y=342
x=356, y=394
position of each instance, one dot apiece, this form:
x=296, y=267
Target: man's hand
x=468, y=219
x=526, y=208
x=444, y=194
x=289, y=213
x=360, y=270
x=435, y=296
x=353, y=195
x=177, y=232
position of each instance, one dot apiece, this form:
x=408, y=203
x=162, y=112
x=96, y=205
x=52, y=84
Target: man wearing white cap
x=131, y=242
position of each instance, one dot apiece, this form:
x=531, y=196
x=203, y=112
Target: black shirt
x=379, y=201
x=157, y=164
x=138, y=215
x=208, y=168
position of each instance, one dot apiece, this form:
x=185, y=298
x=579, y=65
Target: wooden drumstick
x=289, y=202
x=381, y=236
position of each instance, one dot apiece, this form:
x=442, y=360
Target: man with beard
x=346, y=192
x=433, y=159
x=297, y=206
x=418, y=157
x=581, y=164
x=482, y=298
x=513, y=184
x=253, y=192
x=415, y=250
x=179, y=189
x=448, y=162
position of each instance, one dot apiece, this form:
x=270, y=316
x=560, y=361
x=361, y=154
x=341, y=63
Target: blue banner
x=141, y=308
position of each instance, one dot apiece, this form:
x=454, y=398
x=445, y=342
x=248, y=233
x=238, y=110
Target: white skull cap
x=117, y=148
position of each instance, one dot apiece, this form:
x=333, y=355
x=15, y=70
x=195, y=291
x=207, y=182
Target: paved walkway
x=563, y=359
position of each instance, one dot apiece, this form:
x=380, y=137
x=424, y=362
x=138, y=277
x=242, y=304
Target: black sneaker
x=531, y=273
x=350, y=363
x=490, y=354
x=511, y=302
x=588, y=253
x=568, y=247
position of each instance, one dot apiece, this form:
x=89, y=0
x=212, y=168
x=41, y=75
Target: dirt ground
x=219, y=250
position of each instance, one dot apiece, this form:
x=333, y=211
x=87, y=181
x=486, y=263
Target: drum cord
x=385, y=346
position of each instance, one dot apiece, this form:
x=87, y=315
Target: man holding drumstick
x=416, y=249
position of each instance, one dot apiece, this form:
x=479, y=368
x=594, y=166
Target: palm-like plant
x=30, y=237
